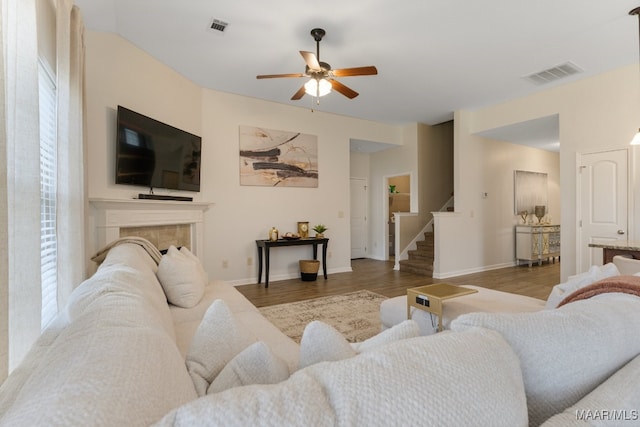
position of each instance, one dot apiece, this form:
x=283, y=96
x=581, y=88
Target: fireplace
x=163, y=223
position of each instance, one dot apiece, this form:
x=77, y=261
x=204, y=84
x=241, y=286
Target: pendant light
x=636, y=11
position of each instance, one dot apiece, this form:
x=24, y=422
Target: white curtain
x=22, y=286
x=71, y=198
x=4, y=217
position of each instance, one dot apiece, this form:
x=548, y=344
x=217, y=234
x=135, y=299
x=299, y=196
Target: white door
x=602, y=211
x=358, y=217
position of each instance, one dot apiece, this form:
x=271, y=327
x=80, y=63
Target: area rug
x=356, y=315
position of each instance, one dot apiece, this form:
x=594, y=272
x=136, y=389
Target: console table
x=537, y=242
x=266, y=245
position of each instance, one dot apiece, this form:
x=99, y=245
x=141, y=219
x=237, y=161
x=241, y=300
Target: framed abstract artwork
x=530, y=191
x=277, y=158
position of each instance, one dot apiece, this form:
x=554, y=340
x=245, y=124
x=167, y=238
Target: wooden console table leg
x=259, y=265
x=266, y=267
x=324, y=258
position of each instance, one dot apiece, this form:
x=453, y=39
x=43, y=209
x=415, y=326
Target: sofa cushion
x=595, y=273
x=126, y=270
x=448, y=379
x=217, y=340
x=255, y=364
x=322, y=342
x=115, y=358
x=567, y=352
x=615, y=402
x=181, y=278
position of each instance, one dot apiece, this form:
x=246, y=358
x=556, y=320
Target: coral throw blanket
x=621, y=284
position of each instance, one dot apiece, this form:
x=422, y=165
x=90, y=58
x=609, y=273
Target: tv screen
x=153, y=154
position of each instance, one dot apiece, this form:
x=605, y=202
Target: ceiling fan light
x=636, y=139
x=317, y=87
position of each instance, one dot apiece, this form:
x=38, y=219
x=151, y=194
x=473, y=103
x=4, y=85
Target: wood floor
x=379, y=277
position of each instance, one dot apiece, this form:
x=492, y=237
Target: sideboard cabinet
x=535, y=243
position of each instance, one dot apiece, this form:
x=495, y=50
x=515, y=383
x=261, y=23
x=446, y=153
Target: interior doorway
x=398, y=200
x=359, y=208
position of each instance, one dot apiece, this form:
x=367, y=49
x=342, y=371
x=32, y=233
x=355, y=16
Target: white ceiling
x=433, y=57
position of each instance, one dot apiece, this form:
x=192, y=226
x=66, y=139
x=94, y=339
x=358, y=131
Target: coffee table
x=430, y=298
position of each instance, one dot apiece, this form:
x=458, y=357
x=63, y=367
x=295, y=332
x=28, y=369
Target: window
x=48, y=172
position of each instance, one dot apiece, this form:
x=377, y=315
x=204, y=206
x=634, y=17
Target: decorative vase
x=539, y=212
x=524, y=215
x=273, y=234
x=319, y=235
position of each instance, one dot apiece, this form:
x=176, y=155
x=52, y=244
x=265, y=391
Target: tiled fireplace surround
x=163, y=223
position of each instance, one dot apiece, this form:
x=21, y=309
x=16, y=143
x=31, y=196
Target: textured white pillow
x=205, y=277
x=595, y=273
x=180, y=278
x=567, y=352
x=255, y=364
x=218, y=339
x=322, y=342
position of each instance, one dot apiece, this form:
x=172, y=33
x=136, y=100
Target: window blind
x=48, y=188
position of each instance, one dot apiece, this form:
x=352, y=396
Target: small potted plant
x=320, y=229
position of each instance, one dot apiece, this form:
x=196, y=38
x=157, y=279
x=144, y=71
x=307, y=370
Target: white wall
x=119, y=73
x=480, y=235
x=595, y=114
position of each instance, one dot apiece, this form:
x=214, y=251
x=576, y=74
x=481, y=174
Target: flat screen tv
x=153, y=154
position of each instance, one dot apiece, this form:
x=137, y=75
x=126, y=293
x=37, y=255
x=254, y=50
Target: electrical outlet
x=249, y=261
x=329, y=254
x=340, y=214
x=225, y=263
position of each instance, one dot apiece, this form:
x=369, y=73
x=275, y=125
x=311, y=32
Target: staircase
x=421, y=259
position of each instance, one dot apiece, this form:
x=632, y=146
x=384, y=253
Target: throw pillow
x=180, y=278
x=205, y=277
x=567, y=352
x=218, y=339
x=595, y=273
x=321, y=342
x=255, y=364
x=471, y=378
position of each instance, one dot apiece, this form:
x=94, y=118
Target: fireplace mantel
x=113, y=214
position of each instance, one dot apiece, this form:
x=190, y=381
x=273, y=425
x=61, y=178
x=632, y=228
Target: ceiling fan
x=322, y=77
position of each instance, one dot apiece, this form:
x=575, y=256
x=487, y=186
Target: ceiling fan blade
x=346, y=91
x=357, y=71
x=272, y=76
x=311, y=60
x=299, y=94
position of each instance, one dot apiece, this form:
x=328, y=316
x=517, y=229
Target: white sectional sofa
x=121, y=355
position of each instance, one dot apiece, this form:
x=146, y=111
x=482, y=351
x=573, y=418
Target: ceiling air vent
x=218, y=25
x=555, y=73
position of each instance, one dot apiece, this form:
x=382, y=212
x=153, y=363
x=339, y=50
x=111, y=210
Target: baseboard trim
x=464, y=272
x=288, y=276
